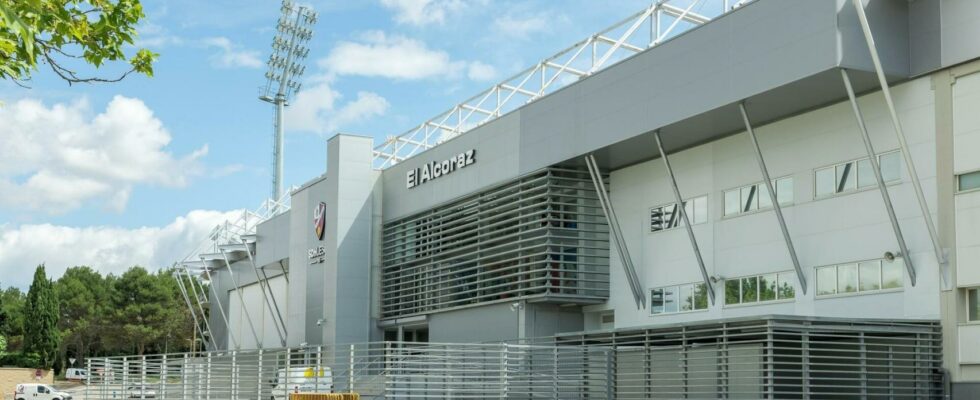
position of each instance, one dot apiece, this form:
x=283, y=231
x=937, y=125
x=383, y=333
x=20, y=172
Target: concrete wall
x=842, y=228
x=262, y=317
x=503, y=322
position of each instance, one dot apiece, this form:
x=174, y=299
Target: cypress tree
x=41, y=319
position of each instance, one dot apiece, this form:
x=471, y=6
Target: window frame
x=966, y=307
x=758, y=289
x=680, y=301
x=857, y=292
x=691, y=201
x=856, y=176
x=959, y=186
x=758, y=207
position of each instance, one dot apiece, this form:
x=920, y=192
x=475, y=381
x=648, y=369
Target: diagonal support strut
x=778, y=209
x=613, y=222
x=872, y=156
x=684, y=218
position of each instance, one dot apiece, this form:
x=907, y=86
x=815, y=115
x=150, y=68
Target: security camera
x=716, y=278
x=320, y=321
x=890, y=256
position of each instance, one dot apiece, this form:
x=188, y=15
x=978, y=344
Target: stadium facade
x=559, y=219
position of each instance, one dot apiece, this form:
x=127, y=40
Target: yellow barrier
x=324, y=396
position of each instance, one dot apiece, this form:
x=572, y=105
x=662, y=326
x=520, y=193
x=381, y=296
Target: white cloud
x=57, y=158
x=479, y=71
x=395, y=57
x=104, y=248
x=230, y=55
x=316, y=110
x=518, y=27
x=422, y=12
x=398, y=57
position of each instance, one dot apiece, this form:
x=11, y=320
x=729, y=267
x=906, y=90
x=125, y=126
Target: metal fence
x=374, y=370
x=771, y=357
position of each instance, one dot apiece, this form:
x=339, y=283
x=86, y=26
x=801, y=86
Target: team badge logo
x=319, y=217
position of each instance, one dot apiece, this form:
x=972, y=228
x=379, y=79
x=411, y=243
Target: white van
x=37, y=391
x=76, y=374
x=302, y=379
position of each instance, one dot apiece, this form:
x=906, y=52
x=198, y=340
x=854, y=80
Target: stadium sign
x=436, y=169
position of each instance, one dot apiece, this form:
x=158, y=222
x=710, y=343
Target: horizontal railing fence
x=374, y=370
x=775, y=357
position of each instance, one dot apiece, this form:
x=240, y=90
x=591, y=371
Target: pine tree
x=41, y=335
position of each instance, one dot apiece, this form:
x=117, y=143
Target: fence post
x=233, y=384
x=207, y=380
x=554, y=378
x=88, y=376
x=183, y=377
x=163, y=377
x=350, y=387
x=610, y=374
x=505, y=380
x=285, y=384
x=386, y=373
x=259, y=377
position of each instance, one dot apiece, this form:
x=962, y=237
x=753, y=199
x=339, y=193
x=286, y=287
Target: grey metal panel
x=475, y=325
x=925, y=44
x=960, y=30
x=890, y=26
x=272, y=244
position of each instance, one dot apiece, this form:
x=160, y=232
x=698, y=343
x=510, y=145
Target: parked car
x=76, y=374
x=140, y=392
x=38, y=391
x=302, y=380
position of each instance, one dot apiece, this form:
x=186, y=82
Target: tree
x=142, y=309
x=84, y=298
x=61, y=33
x=41, y=319
x=12, y=317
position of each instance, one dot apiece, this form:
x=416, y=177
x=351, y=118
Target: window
x=667, y=216
x=865, y=276
x=760, y=288
x=680, y=298
x=756, y=196
x=968, y=181
x=856, y=174
x=973, y=304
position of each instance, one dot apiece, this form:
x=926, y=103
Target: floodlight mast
x=289, y=49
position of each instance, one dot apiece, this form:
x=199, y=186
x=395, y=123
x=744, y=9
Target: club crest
x=319, y=218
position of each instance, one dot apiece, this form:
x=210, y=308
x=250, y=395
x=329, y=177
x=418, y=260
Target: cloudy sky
x=138, y=172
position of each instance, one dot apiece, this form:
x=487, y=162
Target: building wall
x=262, y=317
x=841, y=228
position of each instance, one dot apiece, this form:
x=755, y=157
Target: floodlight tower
x=289, y=50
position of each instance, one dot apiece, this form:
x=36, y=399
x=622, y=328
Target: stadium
x=755, y=199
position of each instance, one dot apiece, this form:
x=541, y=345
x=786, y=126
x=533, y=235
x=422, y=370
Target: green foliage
x=12, y=317
x=41, y=334
x=21, y=360
x=93, y=32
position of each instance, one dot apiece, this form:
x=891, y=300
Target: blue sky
x=135, y=172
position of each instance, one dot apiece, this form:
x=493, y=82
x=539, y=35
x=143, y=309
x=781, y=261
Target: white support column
x=183, y=292
x=686, y=221
x=221, y=309
x=900, y=134
x=241, y=298
x=200, y=306
x=882, y=188
x=778, y=209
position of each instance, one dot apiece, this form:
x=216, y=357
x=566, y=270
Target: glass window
x=866, y=175
x=700, y=210
x=784, y=190
x=670, y=299
x=700, y=297
x=845, y=177
x=657, y=301
x=687, y=297
x=749, y=200
x=786, y=288
x=767, y=287
x=827, y=280
x=891, y=166
x=870, y=275
x=732, y=292
x=847, y=278
x=969, y=181
x=891, y=274
x=764, y=200
x=973, y=308
x=750, y=289
x=826, y=181
x=731, y=202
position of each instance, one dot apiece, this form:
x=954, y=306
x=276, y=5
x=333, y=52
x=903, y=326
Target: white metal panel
x=966, y=123
x=262, y=317
x=967, y=239
x=969, y=343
